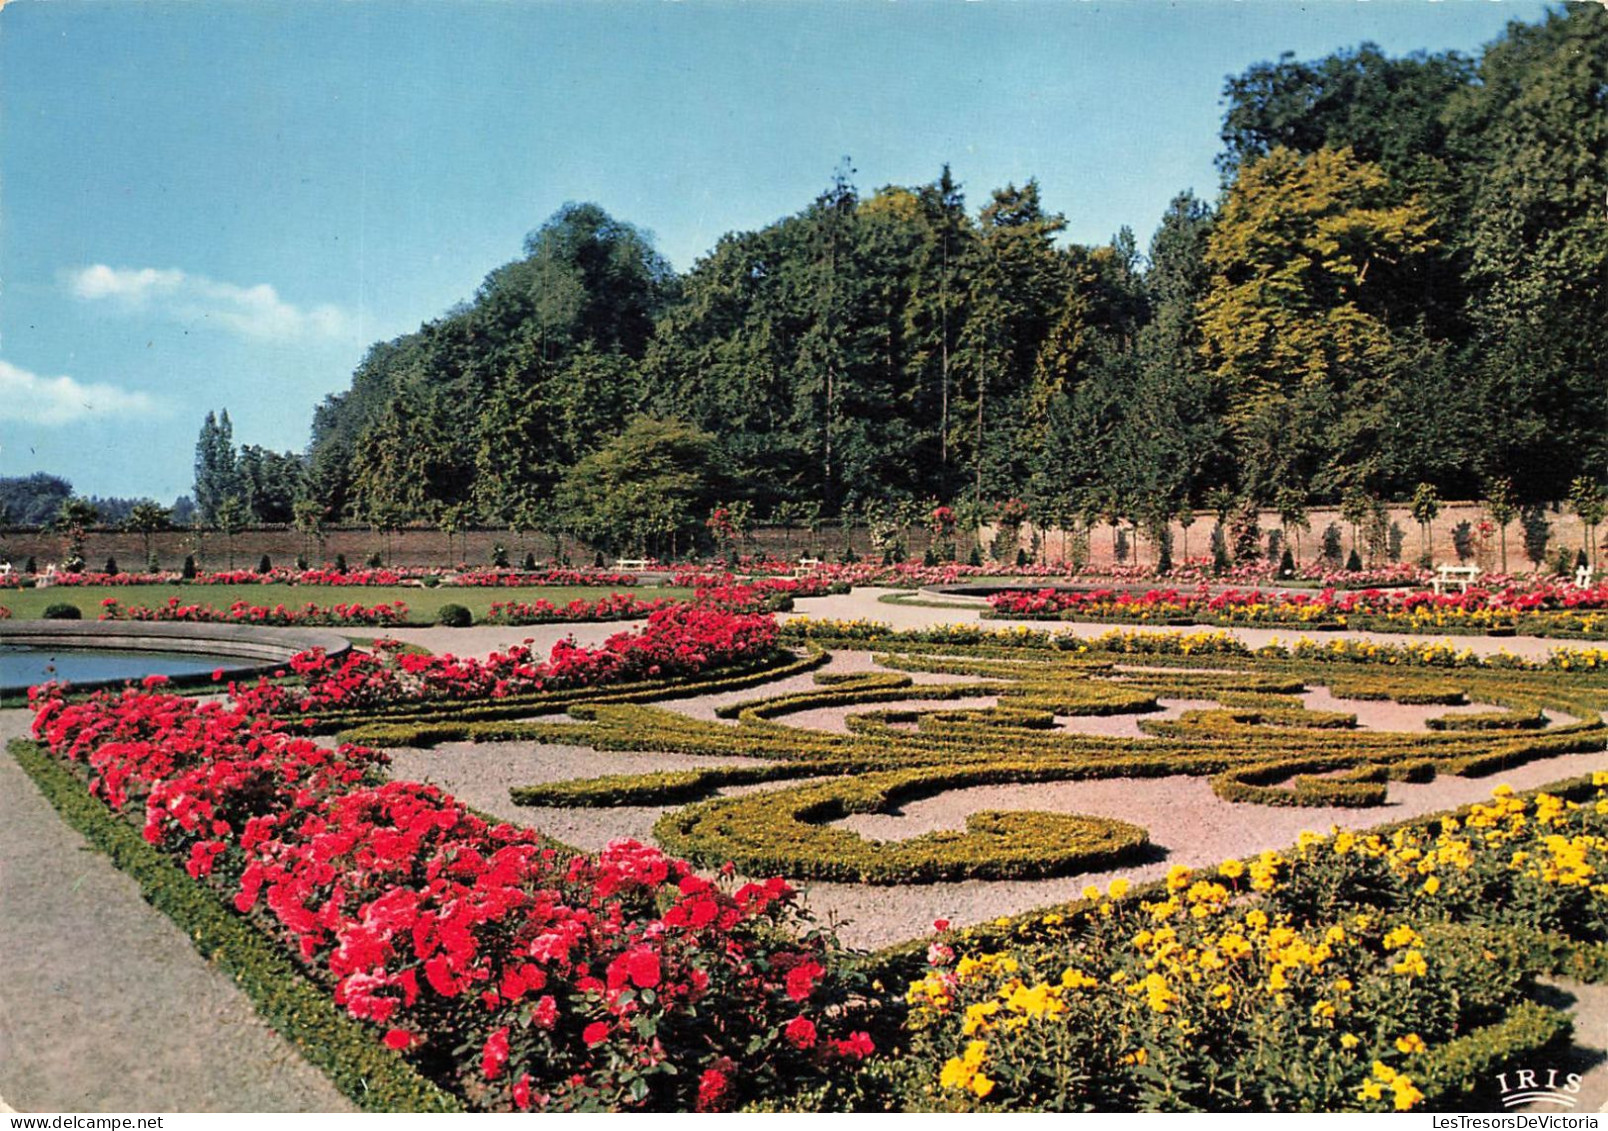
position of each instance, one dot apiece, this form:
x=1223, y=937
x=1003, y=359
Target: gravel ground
x=104, y=1005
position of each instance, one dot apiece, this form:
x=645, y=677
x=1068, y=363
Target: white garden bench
x=806, y=566
x=5, y=570
x=1462, y=576
x=632, y=564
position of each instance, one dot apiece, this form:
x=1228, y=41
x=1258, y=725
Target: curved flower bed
x=392, y=614
x=1543, y=610
x=1356, y=972
x=680, y=640
x=519, y=977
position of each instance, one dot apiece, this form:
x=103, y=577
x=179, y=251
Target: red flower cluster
x=616, y=606
x=677, y=640
x=545, y=982
x=393, y=614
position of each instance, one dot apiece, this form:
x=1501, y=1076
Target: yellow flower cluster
x=1403, y=1093
x=966, y=1071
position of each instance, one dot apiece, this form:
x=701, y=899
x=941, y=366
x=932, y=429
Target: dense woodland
x=1403, y=280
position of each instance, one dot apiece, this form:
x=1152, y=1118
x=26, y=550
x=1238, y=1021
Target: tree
x=308, y=518
x=231, y=517
x=1292, y=515
x=1355, y=506
x=34, y=500
x=72, y=521
x=216, y=472
x=1587, y=500
x=145, y=519
x=646, y=490
x=1425, y=506
x=1503, y=506
x=1302, y=254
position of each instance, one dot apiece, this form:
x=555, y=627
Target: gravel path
x=104, y=1005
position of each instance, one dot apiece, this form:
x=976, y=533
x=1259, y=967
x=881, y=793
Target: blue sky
x=221, y=205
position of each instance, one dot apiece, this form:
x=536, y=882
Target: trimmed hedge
x=787, y=831
x=371, y=1075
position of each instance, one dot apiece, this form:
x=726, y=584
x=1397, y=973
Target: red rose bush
x=517, y=975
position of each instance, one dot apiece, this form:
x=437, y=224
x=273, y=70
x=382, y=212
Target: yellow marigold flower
x=1406, y=1094
x=981, y=1085
x=1402, y=936
x=1091, y=892
x=1118, y=888
x=1276, y=980
x=1370, y=1091
x=1137, y=1056
x=1342, y=985
x=1411, y=963
x=975, y=1052
x=1383, y=1071
x=1599, y=778
x=955, y=1074
x=1074, y=979
x=1323, y=1010
x=1431, y=885
x=1177, y=877
x=1308, y=839
x=1231, y=869
x=1348, y=1041
x=1411, y=1043
x=1256, y=920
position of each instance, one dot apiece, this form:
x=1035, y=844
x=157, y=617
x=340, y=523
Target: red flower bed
x=616, y=606
x=527, y=979
x=679, y=640
x=393, y=614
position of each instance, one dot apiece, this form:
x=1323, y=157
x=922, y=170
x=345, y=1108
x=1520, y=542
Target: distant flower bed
x=616, y=606
x=392, y=614
x=1544, y=609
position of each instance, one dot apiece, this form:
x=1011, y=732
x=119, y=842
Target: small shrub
x=264, y=565
x=340, y=563
x=111, y=567
x=152, y=563
x=1287, y=564
x=301, y=561
x=530, y=563
x=188, y=572
x=454, y=616
x=597, y=560
x=431, y=581
x=975, y=558
x=375, y=561
x=499, y=556
x=1353, y=562
x=929, y=559
x=31, y=565
x=62, y=610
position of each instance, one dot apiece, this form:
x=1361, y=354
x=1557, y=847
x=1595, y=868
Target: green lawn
x=423, y=604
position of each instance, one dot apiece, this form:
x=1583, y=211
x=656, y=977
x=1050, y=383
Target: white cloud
x=255, y=312
x=32, y=399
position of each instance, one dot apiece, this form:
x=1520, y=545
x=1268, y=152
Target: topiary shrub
x=61, y=610
x=530, y=563
x=153, y=564
x=111, y=567
x=597, y=560
x=375, y=561
x=1353, y=563
x=975, y=558
x=31, y=565
x=454, y=616
x=1287, y=563
x=188, y=572
x=340, y=563
x=499, y=556
x=301, y=561
x=264, y=565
